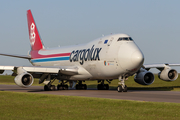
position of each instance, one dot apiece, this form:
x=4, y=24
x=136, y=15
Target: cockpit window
x=130, y=38
x=125, y=39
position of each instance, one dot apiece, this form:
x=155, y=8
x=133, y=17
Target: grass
x=132, y=85
x=39, y=106
x=27, y=106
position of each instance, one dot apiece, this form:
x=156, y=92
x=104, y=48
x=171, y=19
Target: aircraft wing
x=18, y=56
x=158, y=66
x=66, y=70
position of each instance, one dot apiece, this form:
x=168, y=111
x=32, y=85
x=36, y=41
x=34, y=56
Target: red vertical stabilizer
x=35, y=40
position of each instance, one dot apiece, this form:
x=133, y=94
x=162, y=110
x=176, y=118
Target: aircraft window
x=120, y=39
x=130, y=39
x=125, y=39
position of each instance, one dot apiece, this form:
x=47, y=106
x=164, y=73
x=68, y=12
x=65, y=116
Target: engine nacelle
x=144, y=77
x=168, y=74
x=24, y=80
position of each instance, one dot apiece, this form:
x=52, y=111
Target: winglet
x=34, y=37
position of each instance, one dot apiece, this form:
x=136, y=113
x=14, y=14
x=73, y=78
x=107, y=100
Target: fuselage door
x=110, y=41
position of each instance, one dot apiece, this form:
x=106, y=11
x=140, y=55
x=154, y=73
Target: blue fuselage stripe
x=50, y=59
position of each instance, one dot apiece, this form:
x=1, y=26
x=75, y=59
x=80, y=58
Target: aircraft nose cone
x=130, y=57
x=137, y=58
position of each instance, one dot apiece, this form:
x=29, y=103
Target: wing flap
x=66, y=70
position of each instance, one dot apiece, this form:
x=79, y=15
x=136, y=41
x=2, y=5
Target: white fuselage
x=104, y=58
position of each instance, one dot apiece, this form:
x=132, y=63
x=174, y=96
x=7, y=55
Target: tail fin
x=35, y=40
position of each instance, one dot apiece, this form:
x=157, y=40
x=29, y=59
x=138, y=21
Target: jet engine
x=168, y=74
x=24, y=80
x=144, y=77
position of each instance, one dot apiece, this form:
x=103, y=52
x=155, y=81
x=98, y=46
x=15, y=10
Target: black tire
x=119, y=88
x=52, y=88
x=46, y=88
x=107, y=86
x=61, y=87
x=77, y=87
x=58, y=87
x=125, y=89
x=103, y=87
x=84, y=86
x=99, y=87
x=65, y=87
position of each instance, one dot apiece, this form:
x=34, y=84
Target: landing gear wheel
x=125, y=89
x=46, y=88
x=99, y=86
x=65, y=87
x=62, y=87
x=119, y=88
x=81, y=87
x=107, y=87
x=52, y=87
x=103, y=87
x=77, y=87
x=122, y=87
x=59, y=87
x=84, y=87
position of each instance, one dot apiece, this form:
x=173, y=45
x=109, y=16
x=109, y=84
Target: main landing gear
x=62, y=86
x=81, y=86
x=102, y=86
x=50, y=87
x=122, y=87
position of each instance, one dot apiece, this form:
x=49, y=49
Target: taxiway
x=154, y=96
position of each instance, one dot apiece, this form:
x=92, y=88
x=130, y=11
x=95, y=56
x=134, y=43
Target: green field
x=22, y=106
x=29, y=106
x=132, y=85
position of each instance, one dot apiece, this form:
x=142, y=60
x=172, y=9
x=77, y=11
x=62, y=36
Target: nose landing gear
x=122, y=87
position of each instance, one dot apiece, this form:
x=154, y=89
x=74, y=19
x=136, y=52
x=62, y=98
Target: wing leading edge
x=158, y=66
x=51, y=70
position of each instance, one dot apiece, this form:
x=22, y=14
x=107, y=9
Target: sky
x=153, y=24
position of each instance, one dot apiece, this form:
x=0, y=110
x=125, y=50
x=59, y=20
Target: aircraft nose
x=130, y=57
x=137, y=57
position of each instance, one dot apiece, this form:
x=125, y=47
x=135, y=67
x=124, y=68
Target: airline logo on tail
x=32, y=34
x=34, y=37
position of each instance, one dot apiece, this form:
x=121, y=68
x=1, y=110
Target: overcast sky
x=153, y=24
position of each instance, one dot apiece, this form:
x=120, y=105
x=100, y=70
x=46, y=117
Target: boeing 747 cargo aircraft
x=115, y=56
